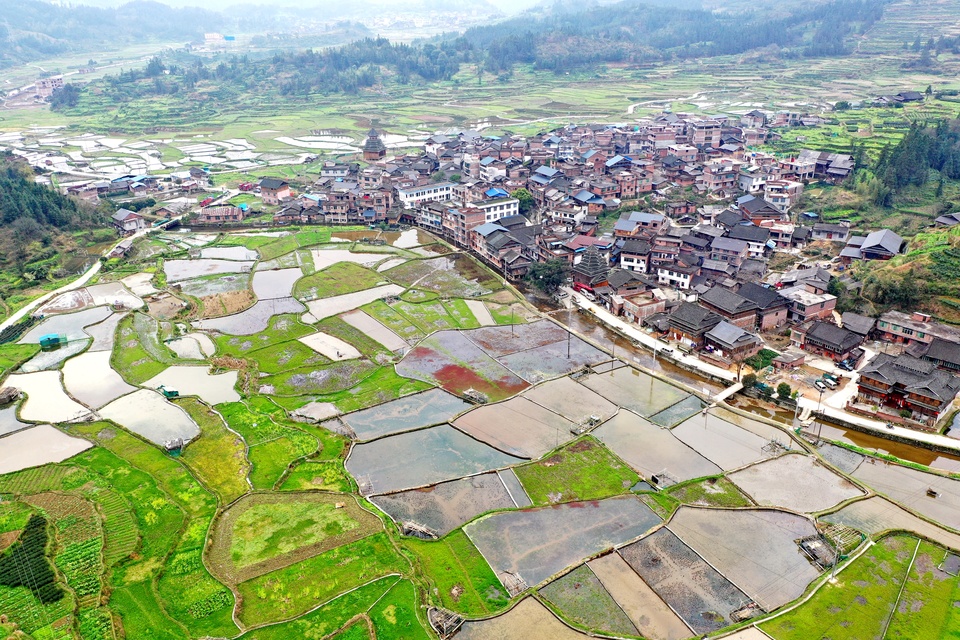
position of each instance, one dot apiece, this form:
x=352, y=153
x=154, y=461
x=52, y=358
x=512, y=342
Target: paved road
x=76, y=284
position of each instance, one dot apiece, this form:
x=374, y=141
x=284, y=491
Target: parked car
x=832, y=384
x=819, y=384
x=846, y=365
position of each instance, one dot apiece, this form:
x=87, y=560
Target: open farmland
x=314, y=465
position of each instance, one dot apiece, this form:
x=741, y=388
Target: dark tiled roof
x=693, y=317
x=913, y=375
x=272, y=183
x=857, y=323
x=750, y=233
x=831, y=335
x=727, y=301
x=763, y=297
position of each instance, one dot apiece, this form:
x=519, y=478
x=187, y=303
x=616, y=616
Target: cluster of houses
x=692, y=267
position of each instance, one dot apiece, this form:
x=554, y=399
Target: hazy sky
x=507, y=6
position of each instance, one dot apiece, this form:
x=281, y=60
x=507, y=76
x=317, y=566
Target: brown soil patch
x=225, y=304
x=165, y=306
x=7, y=539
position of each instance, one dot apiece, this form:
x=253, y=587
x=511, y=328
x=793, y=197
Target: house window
x=883, y=324
x=907, y=332
x=921, y=334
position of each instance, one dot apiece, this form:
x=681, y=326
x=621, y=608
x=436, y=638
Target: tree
x=548, y=276
x=525, y=198
x=784, y=390
x=750, y=381
x=841, y=105
x=154, y=67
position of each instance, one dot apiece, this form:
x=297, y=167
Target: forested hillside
x=36, y=222
x=31, y=29
x=634, y=31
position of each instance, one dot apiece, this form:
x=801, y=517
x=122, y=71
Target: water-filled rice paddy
x=444, y=507
x=538, y=543
x=518, y=426
x=198, y=381
x=635, y=390
x=90, y=379
x=432, y=407
x=450, y=360
x=723, y=443
x=753, y=548
x=701, y=596
x=46, y=401
x=571, y=400
x=278, y=283
x=651, y=449
x=36, y=446
x=69, y=324
x=52, y=359
x=253, y=320
x=178, y=270
x=420, y=458
x=679, y=412
x=335, y=305
x=795, y=482
x=149, y=414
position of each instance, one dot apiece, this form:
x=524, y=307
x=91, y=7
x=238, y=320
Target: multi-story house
x=439, y=192
x=907, y=385
x=734, y=308
x=729, y=250
x=826, y=340
x=772, y=308
x=805, y=304
x=689, y=323
x=782, y=194
x=913, y=328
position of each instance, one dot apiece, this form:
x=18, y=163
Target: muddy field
x=449, y=359
x=703, y=598
x=538, y=543
x=876, y=514
x=552, y=360
x=527, y=620
x=518, y=426
x=216, y=305
x=573, y=401
x=502, y=341
x=432, y=407
x=910, y=486
x=679, y=412
x=202, y=287
x=723, y=443
x=581, y=597
x=754, y=549
x=649, y=614
x=795, y=482
x=651, y=449
x=444, y=507
x=421, y=458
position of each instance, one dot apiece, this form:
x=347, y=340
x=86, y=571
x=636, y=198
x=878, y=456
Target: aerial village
x=685, y=435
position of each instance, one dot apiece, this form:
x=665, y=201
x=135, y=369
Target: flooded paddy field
x=37, y=445
x=9, y=422
x=148, y=414
x=635, y=390
x=648, y=613
x=187, y=348
x=795, y=482
x=421, y=458
x=425, y=409
x=679, y=412
x=723, y=443
x=52, y=359
x=90, y=379
x=518, y=426
x=651, y=449
x=268, y=285
x=701, y=596
x=843, y=459
x=446, y=506
x=374, y=330
x=68, y=324
x=141, y=284
x=876, y=514
x=326, y=257
x=527, y=620
x=450, y=360
x=584, y=600
x=178, y=270
x=253, y=320
x=910, y=453
x=538, y=543
x=909, y=487
x=335, y=305
x=502, y=341
x=241, y=254
x=756, y=550
x=552, y=360
x=46, y=400
x=201, y=287
x=198, y=381
x=104, y=333
x=114, y=294
x=573, y=401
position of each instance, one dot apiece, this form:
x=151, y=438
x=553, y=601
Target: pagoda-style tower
x=373, y=148
x=592, y=270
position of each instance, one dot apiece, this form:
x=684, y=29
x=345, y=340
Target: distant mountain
x=31, y=29
x=564, y=35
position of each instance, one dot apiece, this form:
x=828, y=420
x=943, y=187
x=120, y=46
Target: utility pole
x=820, y=418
